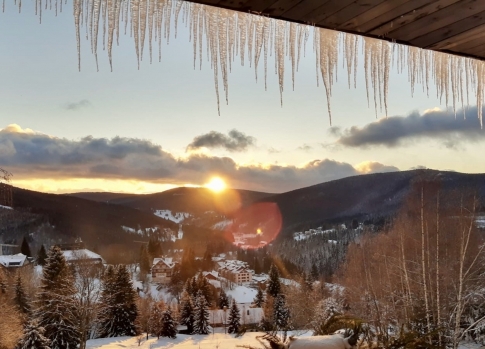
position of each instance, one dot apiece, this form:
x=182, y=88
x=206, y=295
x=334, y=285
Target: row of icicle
x=225, y=34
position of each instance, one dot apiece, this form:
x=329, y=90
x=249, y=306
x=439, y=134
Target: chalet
x=236, y=271
x=162, y=270
x=15, y=261
x=213, y=278
x=82, y=256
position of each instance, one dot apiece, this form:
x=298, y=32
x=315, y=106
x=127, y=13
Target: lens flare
x=255, y=226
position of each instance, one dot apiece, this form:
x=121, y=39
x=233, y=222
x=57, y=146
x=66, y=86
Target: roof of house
x=167, y=261
x=73, y=255
x=16, y=260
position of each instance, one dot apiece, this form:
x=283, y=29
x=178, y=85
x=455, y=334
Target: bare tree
x=87, y=276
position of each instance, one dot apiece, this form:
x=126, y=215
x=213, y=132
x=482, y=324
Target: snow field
x=218, y=340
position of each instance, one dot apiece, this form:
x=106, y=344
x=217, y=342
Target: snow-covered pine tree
x=234, y=318
x=33, y=337
x=274, y=285
x=205, y=287
x=169, y=327
x=201, y=318
x=223, y=300
x=41, y=255
x=187, y=316
x=155, y=321
x=20, y=298
x=259, y=299
x=326, y=312
x=56, y=304
x=281, y=313
x=119, y=309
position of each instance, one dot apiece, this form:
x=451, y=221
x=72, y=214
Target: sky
x=154, y=128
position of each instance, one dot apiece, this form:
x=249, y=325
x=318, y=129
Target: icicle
x=280, y=54
x=94, y=34
x=143, y=25
x=77, y=19
x=292, y=50
x=227, y=34
x=327, y=58
x=135, y=24
x=111, y=28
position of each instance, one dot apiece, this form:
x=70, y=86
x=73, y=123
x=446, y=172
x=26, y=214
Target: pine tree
x=259, y=299
x=188, y=287
x=205, y=287
x=33, y=337
x=314, y=272
x=187, y=312
x=56, y=304
x=144, y=261
x=194, y=286
x=25, y=248
x=41, y=255
x=169, y=327
x=274, y=285
x=201, y=318
x=3, y=282
x=223, y=300
x=155, y=321
x=154, y=248
x=119, y=310
x=281, y=313
x=234, y=318
x=20, y=298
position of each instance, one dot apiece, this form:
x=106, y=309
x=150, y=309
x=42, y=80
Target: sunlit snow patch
x=176, y=217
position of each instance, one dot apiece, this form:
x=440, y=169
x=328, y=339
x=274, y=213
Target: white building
x=14, y=261
x=236, y=271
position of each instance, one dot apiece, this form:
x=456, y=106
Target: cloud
x=34, y=155
x=305, y=147
x=84, y=103
x=441, y=125
x=233, y=142
x=368, y=167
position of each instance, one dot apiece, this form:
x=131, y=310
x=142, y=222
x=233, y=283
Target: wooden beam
x=379, y=14
x=451, y=30
x=409, y=17
x=356, y=8
x=456, y=41
x=281, y=6
x=438, y=19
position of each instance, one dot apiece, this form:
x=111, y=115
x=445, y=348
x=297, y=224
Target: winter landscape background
x=138, y=208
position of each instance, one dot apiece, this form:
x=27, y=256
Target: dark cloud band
x=441, y=125
x=233, y=142
x=30, y=155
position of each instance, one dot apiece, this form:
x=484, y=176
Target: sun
x=216, y=184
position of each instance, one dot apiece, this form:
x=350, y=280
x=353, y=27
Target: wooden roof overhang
x=453, y=26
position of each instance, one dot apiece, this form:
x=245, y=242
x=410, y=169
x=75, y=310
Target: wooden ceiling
x=455, y=26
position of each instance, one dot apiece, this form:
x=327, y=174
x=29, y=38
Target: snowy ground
x=219, y=340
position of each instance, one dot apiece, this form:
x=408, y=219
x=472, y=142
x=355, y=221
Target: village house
x=213, y=278
x=83, y=256
x=13, y=262
x=162, y=270
x=236, y=271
